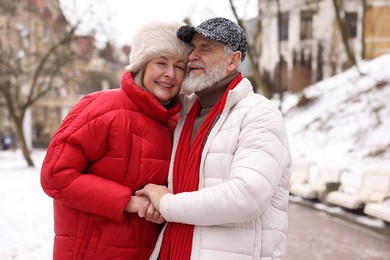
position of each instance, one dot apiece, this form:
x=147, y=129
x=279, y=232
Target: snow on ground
x=26, y=226
x=347, y=122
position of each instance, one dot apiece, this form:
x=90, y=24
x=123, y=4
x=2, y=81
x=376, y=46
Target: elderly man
x=228, y=194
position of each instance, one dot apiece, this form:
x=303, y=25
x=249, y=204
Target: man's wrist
x=163, y=206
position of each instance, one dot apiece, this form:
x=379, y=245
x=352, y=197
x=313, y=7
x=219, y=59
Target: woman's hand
x=154, y=193
x=149, y=212
x=136, y=203
x=142, y=206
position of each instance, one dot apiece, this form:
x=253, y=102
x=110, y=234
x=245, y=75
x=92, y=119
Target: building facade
x=35, y=26
x=310, y=44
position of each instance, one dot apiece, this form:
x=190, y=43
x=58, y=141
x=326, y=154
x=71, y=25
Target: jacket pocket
x=91, y=238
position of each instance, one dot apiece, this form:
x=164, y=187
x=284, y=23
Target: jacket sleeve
x=82, y=138
x=258, y=167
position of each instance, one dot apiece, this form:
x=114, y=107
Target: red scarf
x=177, y=242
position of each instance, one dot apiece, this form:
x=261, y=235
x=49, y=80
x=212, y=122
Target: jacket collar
x=146, y=102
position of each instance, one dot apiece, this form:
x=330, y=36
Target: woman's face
x=163, y=77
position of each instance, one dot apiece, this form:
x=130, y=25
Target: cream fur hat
x=156, y=39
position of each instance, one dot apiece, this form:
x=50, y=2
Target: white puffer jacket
x=240, y=210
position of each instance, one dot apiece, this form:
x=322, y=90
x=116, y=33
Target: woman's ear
x=234, y=61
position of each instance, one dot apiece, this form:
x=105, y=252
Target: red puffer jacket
x=111, y=144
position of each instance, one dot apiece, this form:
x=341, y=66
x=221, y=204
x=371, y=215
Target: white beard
x=211, y=76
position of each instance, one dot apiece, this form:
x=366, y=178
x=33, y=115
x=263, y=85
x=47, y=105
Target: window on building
x=306, y=25
x=284, y=26
x=351, y=23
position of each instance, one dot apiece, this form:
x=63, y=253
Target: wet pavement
x=317, y=235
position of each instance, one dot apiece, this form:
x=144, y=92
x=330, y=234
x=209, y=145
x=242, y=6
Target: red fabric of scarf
x=177, y=242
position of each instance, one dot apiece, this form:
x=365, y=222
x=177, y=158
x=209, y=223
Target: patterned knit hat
x=217, y=29
x=155, y=39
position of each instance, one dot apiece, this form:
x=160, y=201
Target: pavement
x=319, y=234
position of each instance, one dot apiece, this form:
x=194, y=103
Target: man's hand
x=148, y=212
x=154, y=193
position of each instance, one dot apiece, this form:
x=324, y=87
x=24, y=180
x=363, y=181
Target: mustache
x=198, y=64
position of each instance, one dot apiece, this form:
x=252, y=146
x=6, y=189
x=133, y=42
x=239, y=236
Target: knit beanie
x=156, y=39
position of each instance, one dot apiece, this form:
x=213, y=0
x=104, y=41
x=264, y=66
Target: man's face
x=207, y=52
x=207, y=64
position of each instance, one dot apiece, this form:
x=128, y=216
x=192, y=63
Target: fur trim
x=156, y=39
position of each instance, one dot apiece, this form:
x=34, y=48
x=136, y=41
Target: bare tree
x=32, y=62
x=343, y=28
x=253, y=54
x=365, y=7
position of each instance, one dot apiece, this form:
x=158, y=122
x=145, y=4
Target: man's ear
x=234, y=61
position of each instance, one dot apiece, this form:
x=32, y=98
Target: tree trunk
x=344, y=34
x=364, y=5
x=22, y=141
x=18, y=122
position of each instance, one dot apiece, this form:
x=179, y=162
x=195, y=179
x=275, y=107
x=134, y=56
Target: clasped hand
x=146, y=203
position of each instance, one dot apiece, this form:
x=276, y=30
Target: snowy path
x=26, y=226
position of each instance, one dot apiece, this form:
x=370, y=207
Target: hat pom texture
x=154, y=40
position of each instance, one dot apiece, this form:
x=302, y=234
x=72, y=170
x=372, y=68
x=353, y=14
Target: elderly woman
x=111, y=144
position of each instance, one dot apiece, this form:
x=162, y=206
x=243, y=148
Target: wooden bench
x=380, y=209
x=316, y=187
x=300, y=171
x=373, y=187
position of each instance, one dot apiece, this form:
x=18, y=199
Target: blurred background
x=54, y=52
x=324, y=63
